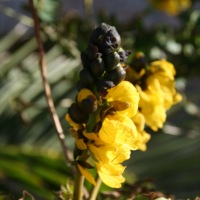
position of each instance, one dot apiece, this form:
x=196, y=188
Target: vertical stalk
x=47, y=89
x=78, y=186
x=95, y=190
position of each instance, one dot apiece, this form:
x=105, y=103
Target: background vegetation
x=30, y=154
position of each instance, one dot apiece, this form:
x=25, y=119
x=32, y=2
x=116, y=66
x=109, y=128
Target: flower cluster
x=156, y=86
x=172, y=7
x=102, y=114
x=109, y=114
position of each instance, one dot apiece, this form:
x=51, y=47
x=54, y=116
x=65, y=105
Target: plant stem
x=92, y=121
x=78, y=186
x=47, y=89
x=95, y=190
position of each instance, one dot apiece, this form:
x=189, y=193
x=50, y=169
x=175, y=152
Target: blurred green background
x=30, y=153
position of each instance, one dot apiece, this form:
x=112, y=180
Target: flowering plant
x=109, y=114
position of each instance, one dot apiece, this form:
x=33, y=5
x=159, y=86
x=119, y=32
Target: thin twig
x=95, y=190
x=27, y=195
x=46, y=85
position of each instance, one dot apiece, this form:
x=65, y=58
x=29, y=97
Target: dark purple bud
x=89, y=105
x=117, y=75
x=92, y=52
x=76, y=114
x=103, y=86
x=86, y=77
x=111, y=60
x=123, y=54
x=85, y=60
x=106, y=38
x=97, y=67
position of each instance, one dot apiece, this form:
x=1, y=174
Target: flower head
x=172, y=7
x=156, y=87
x=112, y=142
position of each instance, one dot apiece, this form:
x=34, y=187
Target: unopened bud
x=76, y=114
x=117, y=75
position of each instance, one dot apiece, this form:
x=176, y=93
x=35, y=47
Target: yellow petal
x=119, y=129
x=72, y=123
x=145, y=138
x=101, y=153
x=177, y=98
x=125, y=92
x=111, y=181
x=157, y=119
x=87, y=175
x=110, y=153
x=152, y=105
x=91, y=136
x=80, y=144
x=79, y=141
x=139, y=121
x=110, y=168
x=163, y=66
x=121, y=154
x=111, y=174
x=84, y=93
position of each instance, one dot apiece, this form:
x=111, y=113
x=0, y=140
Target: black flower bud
x=86, y=77
x=76, y=114
x=106, y=38
x=85, y=60
x=97, y=67
x=103, y=86
x=92, y=52
x=117, y=75
x=111, y=60
x=89, y=104
x=123, y=54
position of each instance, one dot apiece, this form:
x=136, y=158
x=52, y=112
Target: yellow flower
x=164, y=72
x=125, y=92
x=159, y=94
x=110, y=147
x=165, y=68
x=151, y=105
x=172, y=7
x=115, y=139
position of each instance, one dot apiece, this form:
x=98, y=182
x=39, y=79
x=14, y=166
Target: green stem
x=78, y=186
x=95, y=190
x=92, y=121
